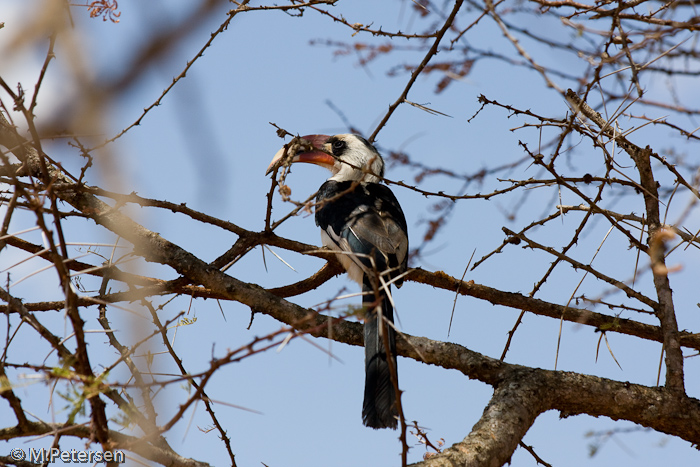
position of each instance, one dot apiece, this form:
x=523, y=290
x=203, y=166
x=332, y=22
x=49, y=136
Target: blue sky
x=208, y=145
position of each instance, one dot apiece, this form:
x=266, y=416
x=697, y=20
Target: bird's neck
x=351, y=174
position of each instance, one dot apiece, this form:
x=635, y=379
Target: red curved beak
x=317, y=155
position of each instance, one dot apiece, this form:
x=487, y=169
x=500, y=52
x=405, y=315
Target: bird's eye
x=338, y=145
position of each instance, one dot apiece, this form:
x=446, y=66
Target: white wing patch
x=342, y=251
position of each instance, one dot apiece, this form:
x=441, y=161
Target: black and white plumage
x=362, y=221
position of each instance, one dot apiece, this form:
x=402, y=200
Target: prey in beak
x=312, y=149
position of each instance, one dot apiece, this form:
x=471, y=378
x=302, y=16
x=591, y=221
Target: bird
x=363, y=223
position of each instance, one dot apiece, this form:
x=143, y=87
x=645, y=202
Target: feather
x=364, y=224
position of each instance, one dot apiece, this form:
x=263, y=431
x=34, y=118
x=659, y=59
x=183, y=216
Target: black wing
x=364, y=218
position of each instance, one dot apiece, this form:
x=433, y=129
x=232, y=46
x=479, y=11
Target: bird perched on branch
x=361, y=220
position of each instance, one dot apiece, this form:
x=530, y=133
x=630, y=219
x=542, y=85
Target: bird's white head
x=349, y=157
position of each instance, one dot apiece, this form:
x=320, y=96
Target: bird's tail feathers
x=379, y=409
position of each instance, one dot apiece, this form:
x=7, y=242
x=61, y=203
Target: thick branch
x=665, y=311
x=525, y=393
x=159, y=454
x=521, y=390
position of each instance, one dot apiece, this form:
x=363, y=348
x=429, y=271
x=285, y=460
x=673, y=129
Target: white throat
x=347, y=173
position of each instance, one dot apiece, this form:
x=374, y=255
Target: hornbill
x=361, y=220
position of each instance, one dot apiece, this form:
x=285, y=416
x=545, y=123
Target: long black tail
x=379, y=408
